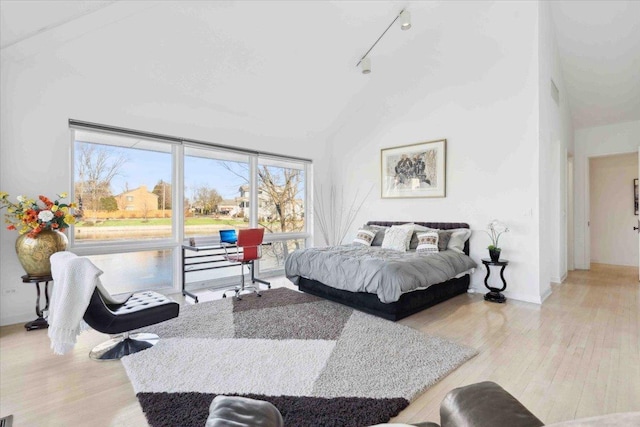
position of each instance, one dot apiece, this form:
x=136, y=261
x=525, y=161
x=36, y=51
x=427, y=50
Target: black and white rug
x=320, y=363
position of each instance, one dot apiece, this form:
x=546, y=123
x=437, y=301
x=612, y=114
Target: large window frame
x=177, y=239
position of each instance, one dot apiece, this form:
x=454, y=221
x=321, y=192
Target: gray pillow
x=380, y=230
x=443, y=239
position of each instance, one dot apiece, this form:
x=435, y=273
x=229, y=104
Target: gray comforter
x=371, y=269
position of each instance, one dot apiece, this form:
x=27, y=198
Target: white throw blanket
x=75, y=278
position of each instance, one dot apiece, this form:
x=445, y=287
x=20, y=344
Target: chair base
x=240, y=289
x=124, y=345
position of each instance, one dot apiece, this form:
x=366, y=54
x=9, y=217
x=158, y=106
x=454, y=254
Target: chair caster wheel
x=224, y=295
x=268, y=286
x=259, y=295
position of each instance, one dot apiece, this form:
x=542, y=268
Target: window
x=143, y=195
x=135, y=271
x=216, y=189
x=123, y=186
x=281, y=196
x=274, y=255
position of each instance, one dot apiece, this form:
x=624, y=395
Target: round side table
x=494, y=294
x=40, y=322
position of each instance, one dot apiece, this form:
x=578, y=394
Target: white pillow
x=398, y=237
x=458, y=238
x=364, y=237
x=427, y=242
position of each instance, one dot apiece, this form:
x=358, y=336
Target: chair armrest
x=225, y=245
x=484, y=404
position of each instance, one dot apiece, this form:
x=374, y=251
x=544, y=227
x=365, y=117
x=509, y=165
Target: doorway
x=611, y=209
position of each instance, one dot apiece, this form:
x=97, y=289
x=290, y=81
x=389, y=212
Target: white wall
x=613, y=240
x=592, y=142
x=471, y=78
x=556, y=142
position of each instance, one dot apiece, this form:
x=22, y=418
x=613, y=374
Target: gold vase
x=34, y=252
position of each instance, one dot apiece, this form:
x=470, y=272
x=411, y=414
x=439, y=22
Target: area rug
x=320, y=363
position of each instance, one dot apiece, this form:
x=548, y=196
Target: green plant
x=496, y=229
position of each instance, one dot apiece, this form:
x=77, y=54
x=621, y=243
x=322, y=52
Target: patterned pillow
x=364, y=237
x=427, y=242
x=413, y=243
x=398, y=237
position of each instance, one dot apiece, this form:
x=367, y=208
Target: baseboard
x=17, y=318
x=558, y=280
x=519, y=296
x=546, y=294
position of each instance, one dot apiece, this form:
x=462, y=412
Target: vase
x=34, y=252
x=494, y=254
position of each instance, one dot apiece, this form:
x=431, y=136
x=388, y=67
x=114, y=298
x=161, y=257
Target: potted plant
x=496, y=229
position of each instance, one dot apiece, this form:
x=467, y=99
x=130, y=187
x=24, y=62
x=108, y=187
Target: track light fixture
x=405, y=24
x=405, y=20
x=366, y=65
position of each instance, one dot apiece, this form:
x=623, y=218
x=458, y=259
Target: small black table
x=494, y=294
x=40, y=322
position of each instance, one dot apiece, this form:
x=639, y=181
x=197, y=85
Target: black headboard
x=438, y=225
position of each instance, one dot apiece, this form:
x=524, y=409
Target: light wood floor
x=577, y=355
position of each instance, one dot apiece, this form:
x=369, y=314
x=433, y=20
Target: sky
x=145, y=167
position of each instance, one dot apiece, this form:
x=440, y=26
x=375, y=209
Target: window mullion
x=253, y=191
x=177, y=220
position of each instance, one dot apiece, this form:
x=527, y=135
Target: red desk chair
x=250, y=241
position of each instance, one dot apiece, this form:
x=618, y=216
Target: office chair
x=250, y=241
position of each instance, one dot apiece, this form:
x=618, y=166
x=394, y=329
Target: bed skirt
x=408, y=304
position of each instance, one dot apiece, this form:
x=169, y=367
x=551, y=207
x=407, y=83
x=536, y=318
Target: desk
x=210, y=261
x=40, y=322
x=494, y=294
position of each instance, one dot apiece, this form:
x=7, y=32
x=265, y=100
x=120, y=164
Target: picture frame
x=635, y=196
x=414, y=170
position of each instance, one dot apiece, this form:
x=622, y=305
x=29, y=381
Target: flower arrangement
x=496, y=229
x=32, y=217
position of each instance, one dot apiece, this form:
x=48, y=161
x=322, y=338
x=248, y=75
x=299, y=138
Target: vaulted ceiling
x=599, y=46
x=285, y=64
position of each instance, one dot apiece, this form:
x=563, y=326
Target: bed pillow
x=364, y=237
x=443, y=240
x=379, y=230
x=398, y=237
x=458, y=238
x=413, y=243
x=427, y=242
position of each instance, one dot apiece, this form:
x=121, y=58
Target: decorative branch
x=333, y=216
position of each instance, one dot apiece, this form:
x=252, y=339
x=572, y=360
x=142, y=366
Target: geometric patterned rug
x=318, y=362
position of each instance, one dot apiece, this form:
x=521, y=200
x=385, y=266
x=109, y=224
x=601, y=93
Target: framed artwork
x=416, y=170
x=635, y=196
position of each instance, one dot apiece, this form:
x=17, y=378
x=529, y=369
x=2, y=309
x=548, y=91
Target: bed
x=408, y=303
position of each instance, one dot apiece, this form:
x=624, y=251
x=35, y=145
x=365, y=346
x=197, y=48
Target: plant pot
x=34, y=252
x=494, y=254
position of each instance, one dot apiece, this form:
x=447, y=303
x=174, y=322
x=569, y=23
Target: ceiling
x=23, y=19
x=599, y=47
x=243, y=56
